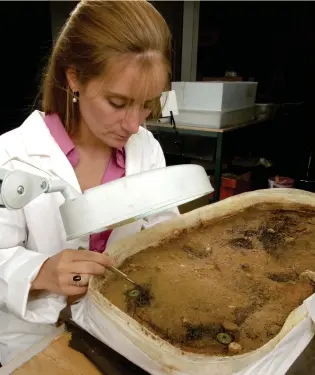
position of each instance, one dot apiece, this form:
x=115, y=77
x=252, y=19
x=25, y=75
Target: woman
x=105, y=76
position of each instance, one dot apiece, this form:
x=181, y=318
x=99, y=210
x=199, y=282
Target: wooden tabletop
x=58, y=359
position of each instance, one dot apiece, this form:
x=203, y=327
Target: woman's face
x=112, y=110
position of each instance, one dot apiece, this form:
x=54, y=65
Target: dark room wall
x=274, y=42
x=28, y=29
x=25, y=43
x=172, y=11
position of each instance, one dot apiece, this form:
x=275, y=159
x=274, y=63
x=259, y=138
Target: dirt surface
x=234, y=280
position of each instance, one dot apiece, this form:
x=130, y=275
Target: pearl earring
x=75, y=97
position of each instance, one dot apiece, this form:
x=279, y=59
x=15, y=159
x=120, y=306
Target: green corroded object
x=224, y=338
x=134, y=293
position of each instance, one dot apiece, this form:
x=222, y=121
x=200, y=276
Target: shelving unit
x=158, y=127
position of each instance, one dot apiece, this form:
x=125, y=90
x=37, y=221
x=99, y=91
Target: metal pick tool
x=117, y=272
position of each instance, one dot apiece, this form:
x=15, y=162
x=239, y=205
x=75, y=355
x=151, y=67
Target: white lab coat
x=30, y=235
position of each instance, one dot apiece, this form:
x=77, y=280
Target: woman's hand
x=59, y=272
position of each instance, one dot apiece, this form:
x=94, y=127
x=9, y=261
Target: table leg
x=218, y=167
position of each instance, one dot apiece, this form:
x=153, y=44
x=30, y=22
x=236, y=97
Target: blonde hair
x=96, y=33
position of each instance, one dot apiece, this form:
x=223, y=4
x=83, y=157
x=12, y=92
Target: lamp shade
x=132, y=198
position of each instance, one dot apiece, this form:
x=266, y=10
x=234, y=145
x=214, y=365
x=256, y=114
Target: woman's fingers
x=86, y=255
x=71, y=289
x=75, y=290
x=87, y=267
x=78, y=279
x=68, y=272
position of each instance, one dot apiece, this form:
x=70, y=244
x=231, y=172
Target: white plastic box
x=215, y=104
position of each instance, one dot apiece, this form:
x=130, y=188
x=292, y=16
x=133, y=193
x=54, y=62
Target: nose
x=132, y=120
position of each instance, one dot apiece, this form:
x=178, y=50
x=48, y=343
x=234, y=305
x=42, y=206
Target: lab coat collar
x=134, y=151
x=39, y=142
x=46, y=153
x=36, y=136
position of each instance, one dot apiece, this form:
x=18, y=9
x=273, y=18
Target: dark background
x=273, y=42
x=25, y=31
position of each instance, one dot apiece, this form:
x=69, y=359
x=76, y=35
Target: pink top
x=114, y=170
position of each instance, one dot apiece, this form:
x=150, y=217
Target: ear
x=72, y=79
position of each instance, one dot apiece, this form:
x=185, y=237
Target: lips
x=123, y=138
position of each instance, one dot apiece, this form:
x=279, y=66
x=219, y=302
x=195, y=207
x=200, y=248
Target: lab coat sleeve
x=158, y=161
x=18, y=268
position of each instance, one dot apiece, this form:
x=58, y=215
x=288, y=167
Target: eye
x=117, y=105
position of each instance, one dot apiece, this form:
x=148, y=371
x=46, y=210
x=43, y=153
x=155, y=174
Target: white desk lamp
x=116, y=203
x=110, y=205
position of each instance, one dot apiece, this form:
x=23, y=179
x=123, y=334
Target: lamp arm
x=19, y=188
